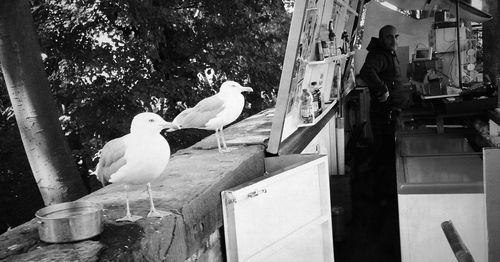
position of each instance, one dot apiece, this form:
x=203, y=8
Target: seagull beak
x=168, y=125
x=246, y=89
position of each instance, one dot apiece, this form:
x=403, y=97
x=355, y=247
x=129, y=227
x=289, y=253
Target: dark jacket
x=382, y=73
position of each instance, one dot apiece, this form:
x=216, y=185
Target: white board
x=491, y=167
x=284, y=216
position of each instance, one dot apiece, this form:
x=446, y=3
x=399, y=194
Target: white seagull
x=214, y=112
x=136, y=158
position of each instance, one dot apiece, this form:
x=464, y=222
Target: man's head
x=388, y=36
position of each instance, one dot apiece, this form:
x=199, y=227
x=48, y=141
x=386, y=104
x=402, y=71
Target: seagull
x=136, y=159
x=214, y=112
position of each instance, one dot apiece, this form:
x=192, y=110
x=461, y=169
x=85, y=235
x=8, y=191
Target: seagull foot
x=227, y=149
x=129, y=218
x=159, y=213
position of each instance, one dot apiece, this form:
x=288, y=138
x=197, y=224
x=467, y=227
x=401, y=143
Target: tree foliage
x=107, y=60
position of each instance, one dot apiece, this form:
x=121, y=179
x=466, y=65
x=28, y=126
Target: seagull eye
x=151, y=120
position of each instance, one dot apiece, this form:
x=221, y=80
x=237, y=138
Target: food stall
x=444, y=157
x=444, y=151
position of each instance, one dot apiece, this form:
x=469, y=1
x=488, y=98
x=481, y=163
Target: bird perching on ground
x=214, y=112
x=136, y=158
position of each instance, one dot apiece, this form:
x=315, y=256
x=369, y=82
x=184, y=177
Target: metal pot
x=70, y=221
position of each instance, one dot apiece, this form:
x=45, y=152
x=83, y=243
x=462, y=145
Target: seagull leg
x=223, y=139
x=218, y=140
x=128, y=216
x=153, y=212
x=225, y=148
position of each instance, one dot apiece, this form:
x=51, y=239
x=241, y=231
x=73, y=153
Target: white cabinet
x=420, y=218
x=283, y=216
x=440, y=178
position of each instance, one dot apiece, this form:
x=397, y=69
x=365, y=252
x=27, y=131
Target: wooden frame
x=308, y=25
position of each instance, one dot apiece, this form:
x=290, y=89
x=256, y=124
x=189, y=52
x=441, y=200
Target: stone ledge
x=190, y=187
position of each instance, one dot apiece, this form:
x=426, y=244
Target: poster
x=304, y=52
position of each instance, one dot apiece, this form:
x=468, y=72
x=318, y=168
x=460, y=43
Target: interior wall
x=412, y=32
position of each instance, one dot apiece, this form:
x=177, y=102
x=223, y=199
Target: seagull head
x=148, y=123
x=231, y=86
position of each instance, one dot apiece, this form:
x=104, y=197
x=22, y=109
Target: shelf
x=438, y=96
x=323, y=114
x=300, y=138
x=338, y=57
x=452, y=51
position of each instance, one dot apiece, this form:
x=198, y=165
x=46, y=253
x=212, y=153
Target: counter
x=439, y=178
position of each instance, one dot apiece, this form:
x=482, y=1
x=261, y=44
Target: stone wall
x=190, y=187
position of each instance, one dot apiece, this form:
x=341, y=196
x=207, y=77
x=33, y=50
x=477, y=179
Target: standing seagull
x=136, y=158
x=213, y=113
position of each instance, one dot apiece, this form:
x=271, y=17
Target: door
x=283, y=216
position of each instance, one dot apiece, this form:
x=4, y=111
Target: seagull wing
x=199, y=115
x=112, y=159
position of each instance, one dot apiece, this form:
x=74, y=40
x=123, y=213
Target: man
x=382, y=74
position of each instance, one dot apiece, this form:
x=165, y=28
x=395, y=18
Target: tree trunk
x=491, y=41
x=47, y=150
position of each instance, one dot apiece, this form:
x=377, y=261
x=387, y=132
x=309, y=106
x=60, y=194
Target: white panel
x=282, y=217
x=307, y=246
x=420, y=218
x=491, y=190
x=332, y=154
x=340, y=138
x=313, y=147
x=320, y=143
x=324, y=140
x=279, y=199
x=325, y=143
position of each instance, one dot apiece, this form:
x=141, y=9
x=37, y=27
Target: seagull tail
x=99, y=174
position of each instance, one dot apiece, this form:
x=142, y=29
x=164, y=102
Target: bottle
x=345, y=43
x=325, y=49
x=332, y=44
x=338, y=80
x=336, y=83
x=331, y=31
x=315, y=105
x=306, y=107
x=316, y=99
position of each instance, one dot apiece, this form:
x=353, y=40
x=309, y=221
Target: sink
x=438, y=164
